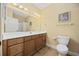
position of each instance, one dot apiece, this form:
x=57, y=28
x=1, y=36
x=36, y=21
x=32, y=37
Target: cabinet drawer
x=44, y=37
x=14, y=41
x=44, y=34
x=11, y=42
x=35, y=36
x=27, y=38
x=20, y=40
x=41, y=35
x=13, y=50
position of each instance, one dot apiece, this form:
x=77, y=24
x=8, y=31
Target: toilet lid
x=61, y=47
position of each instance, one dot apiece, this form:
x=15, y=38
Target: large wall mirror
x=17, y=20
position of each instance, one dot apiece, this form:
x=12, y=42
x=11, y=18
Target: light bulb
x=25, y=9
x=15, y=4
x=36, y=14
x=20, y=6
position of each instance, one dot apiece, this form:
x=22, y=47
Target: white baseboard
x=69, y=52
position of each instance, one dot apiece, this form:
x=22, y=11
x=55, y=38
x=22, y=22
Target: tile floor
x=46, y=52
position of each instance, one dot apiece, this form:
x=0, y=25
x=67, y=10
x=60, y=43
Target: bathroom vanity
x=16, y=40
x=23, y=44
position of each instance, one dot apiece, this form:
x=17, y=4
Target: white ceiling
x=41, y=5
x=38, y=5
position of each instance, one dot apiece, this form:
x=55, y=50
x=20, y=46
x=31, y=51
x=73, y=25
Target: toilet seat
x=62, y=48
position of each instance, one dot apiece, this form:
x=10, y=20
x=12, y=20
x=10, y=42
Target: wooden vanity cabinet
x=23, y=46
x=12, y=47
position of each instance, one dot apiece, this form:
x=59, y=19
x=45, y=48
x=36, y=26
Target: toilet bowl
x=62, y=49
x=62, y=46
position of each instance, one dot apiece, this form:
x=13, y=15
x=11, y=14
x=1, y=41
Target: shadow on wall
x=73, y=46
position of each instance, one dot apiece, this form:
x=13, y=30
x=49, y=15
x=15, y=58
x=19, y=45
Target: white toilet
x=62, y=46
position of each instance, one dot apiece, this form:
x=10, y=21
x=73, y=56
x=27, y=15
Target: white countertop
x=19, y=34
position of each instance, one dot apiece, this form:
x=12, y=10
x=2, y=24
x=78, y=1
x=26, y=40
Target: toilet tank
x=63, y=39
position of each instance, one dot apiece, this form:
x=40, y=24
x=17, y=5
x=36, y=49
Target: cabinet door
x=38, y=43
x=26, y=40
x=31, y=47
x=12, y=50
x=25, y=48
x=15, y=49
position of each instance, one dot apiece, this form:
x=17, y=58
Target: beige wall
x=50, y=16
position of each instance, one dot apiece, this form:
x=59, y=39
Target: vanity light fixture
x=20, y=6
x=15, y=4
x=25, y=9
